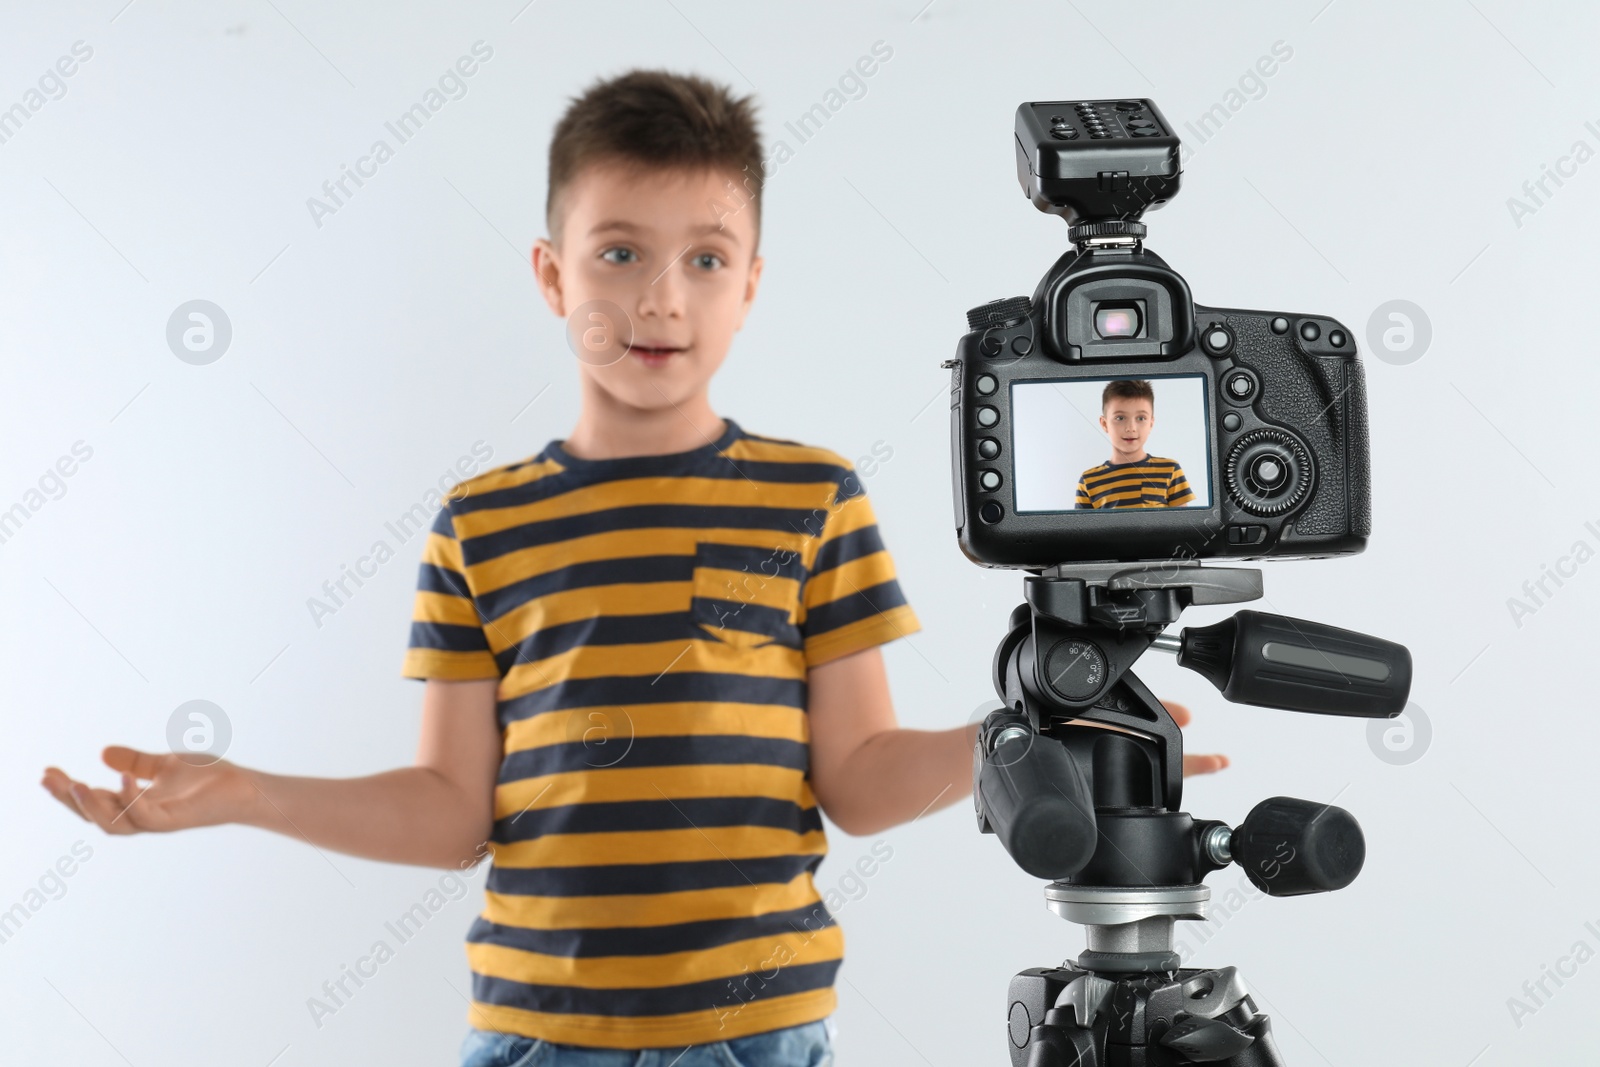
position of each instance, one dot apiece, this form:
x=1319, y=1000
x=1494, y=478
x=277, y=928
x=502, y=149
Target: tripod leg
x=1264, y=1051
x=1216, y=1020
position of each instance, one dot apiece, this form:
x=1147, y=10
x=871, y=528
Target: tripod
x=1080, y=775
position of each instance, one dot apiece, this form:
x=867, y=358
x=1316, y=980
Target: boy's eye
x=618, y=255
x=708, y=260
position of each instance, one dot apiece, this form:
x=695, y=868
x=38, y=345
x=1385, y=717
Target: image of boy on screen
x=1132, y=477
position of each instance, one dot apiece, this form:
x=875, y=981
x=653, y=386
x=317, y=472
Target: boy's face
x=1127, y=423
x=650, y=243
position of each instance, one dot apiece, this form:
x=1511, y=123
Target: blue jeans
x=806, y=1045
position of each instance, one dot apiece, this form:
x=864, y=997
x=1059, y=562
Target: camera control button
x=991, y=344
x=988, y=416
x=1022, y=345
x=988, y=448
x=989, y=481
x=1280, y=325
x=1336, y=338
x=987, y=384
x=1217, y=340
x=1239, y=386
x=1246, y=535
x=1310, y=331
x=991, y=512
x=1231, y=421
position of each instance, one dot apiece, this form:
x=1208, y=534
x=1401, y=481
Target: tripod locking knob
x=1288, y=847
x=1030, y=793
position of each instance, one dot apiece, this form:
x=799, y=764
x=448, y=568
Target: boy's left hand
x=1207, y=763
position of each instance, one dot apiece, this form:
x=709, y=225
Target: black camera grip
x=1035, y=799
x=1274, y=661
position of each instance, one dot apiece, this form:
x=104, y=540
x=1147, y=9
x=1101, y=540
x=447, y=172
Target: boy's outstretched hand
x=179, y=795
x=1205, y=763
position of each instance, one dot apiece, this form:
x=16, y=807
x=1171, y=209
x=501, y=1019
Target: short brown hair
x=1128, y=389
x=653, y=119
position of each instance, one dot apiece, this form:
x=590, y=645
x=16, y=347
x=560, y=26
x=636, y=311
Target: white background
x=369, y=355
x=1056, y=436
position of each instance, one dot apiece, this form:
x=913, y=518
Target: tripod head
x=1080, y=775
x=1075, y=802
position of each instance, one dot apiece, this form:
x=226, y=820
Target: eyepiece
x=1117, y=320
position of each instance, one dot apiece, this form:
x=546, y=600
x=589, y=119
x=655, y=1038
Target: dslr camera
x=1109, y=435
x=1110, y=418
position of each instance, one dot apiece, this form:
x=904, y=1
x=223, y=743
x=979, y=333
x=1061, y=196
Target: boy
x=1131, y=478
x=650, y=654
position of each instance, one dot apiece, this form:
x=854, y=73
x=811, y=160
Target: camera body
x=1228, y=433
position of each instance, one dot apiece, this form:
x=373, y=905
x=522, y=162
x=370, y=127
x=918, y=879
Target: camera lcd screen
x=1104, y=444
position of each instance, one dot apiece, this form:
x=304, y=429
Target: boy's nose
x=664, y=296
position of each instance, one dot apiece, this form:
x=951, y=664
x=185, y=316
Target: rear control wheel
x=1268, y=472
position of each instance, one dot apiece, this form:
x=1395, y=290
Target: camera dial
x=1268, y=472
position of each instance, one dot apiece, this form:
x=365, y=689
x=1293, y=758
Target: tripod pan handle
x=1274, y=661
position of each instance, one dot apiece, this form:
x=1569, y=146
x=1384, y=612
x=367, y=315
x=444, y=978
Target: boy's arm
x=867, y=773
x=1178, y=491
x=436, y=813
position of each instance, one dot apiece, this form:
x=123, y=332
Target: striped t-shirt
x=651, y=620
x=1152, y=482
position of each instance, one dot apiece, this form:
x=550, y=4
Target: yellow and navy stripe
x=1152, y=482
x=651, y=621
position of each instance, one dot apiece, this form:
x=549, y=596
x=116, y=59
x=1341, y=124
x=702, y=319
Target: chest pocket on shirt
x=746, y=596
x=1155, y=492
x=1152, y=493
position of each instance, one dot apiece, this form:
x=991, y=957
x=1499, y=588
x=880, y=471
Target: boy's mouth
x=654, y=355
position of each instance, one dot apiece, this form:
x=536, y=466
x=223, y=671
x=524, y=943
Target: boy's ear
x=752, y=281
x=547, y=271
